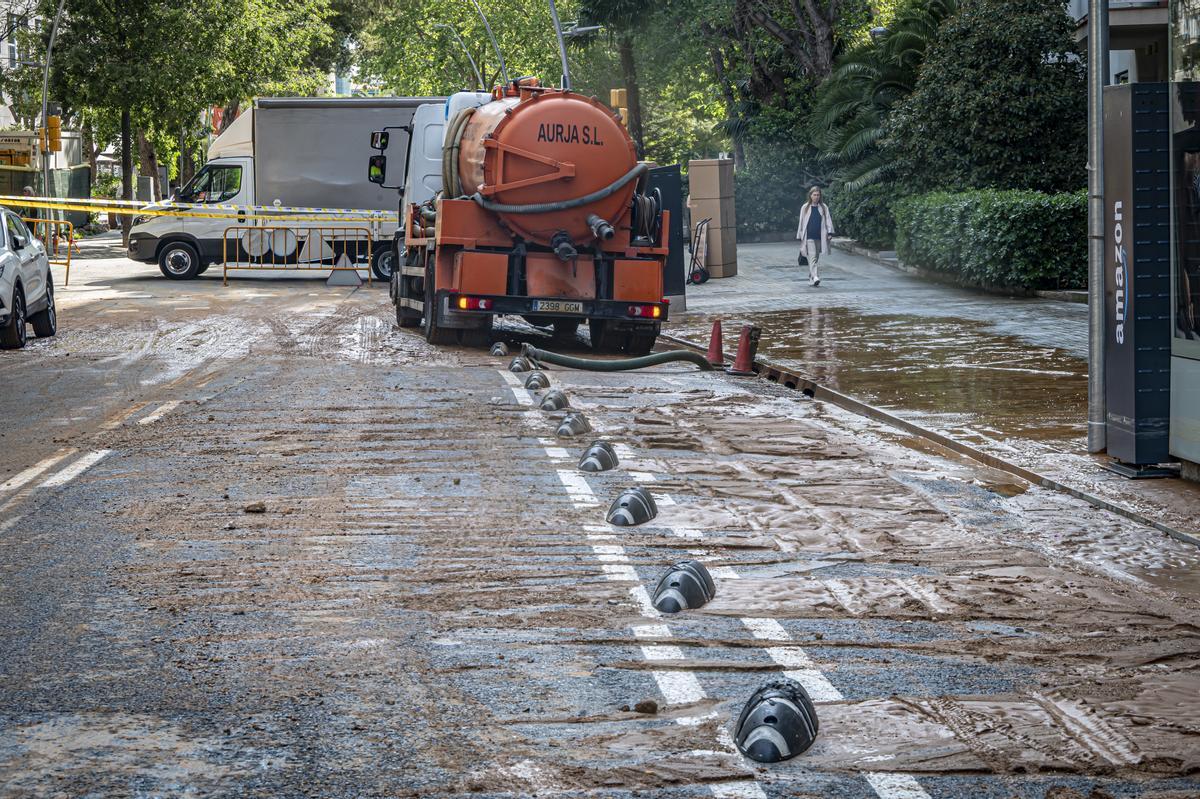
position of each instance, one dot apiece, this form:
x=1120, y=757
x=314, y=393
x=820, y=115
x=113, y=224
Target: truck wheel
x=45, y=323
x=565, y=329
x=400, y=290
x=641, y=341
x=433, y=333
x=12, y=335
x=383, y=261
x=603, y=337
x=179, y=260
x=203, y=269
x=476, y=336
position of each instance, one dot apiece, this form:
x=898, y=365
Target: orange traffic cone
x=747, y=342
x=716, y=346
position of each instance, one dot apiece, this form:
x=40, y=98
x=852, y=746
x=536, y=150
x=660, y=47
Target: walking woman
x=816, y=228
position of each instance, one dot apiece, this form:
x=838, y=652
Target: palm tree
x=849, y=118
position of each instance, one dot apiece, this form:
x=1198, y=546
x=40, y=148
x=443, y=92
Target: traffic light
x=42, y=146
x=54, y=133
x=618, y=99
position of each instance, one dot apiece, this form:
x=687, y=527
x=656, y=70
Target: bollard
x=716, y=346
x=747, y=349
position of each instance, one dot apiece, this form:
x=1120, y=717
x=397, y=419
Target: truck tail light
x=645, y=311
x=473, y=304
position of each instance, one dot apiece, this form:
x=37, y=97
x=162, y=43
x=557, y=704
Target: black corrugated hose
x=616, y=365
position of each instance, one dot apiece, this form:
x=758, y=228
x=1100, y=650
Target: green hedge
x=1008, y=239
x=864, y=214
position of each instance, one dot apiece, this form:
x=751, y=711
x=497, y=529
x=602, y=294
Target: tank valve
x=600, y=228
x=563, y=247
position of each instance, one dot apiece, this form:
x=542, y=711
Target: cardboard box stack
x=710, y=186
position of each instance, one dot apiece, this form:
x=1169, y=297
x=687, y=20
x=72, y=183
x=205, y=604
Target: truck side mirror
x=379, y=140
x=18, y=242
x=377, y=169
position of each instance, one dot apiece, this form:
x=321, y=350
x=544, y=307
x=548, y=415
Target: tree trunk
x=186, y=167
x=149, y=163
x=629, y=71
x=731, y=112
x=126, y=171
x=88, y=142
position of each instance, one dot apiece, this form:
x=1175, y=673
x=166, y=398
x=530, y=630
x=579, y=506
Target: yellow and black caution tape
x=197, y=211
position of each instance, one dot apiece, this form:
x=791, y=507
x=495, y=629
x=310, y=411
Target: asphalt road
x=428, y=601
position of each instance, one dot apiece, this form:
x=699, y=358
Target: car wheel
x=12, y=335
x=45, y=323
x=179, y=260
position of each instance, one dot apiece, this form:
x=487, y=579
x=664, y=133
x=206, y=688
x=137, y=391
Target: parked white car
x=26, y=286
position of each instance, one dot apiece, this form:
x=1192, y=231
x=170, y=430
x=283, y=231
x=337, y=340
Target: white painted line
x=641, y=598
x=64, y=476
x=790, y=657
x=162, y=411
x=768, y=629
x=555, y=452
x=841, y=592
x=21, y=478
x=924, y=594
x=624, y=452
x=896, y=786
x=664, y=499
x=651, y=631
x=518, y=389
x=679, y=687
x=723, y=573
x=578, y=490
x=737, y=790
x=608, y=549
x=662, y=652
x=818, y=686
x=642, y=477
x=685, y=532
x=620, y=572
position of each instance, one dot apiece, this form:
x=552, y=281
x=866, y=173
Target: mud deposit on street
x=313, y=556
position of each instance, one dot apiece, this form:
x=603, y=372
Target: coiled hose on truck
x=617, y=365
x=562, y=205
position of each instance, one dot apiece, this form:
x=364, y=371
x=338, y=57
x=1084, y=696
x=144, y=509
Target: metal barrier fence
x=280, y=247
x=55, y=234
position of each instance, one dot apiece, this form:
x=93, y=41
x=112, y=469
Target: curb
x=891, y=262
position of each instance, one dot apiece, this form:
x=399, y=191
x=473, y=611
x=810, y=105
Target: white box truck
x=283, y=152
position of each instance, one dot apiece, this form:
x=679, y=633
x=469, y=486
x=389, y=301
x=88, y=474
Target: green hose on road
x=619, y=365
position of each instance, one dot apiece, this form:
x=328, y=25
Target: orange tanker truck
x=530, y=201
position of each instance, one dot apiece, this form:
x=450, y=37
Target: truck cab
x=185, y=246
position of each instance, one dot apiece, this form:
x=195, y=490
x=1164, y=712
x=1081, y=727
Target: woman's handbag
x=801, y=260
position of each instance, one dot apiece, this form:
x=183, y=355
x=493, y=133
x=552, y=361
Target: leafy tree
x=411, y=51
x=996, y=105
x=848, y=120
x=621, y=18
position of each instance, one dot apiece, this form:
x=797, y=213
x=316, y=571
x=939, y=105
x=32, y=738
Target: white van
x=283, y=152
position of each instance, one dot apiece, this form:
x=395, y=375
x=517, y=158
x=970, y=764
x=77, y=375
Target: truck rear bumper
x=465, y=306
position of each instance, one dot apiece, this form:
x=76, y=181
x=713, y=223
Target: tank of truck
x=543, y=150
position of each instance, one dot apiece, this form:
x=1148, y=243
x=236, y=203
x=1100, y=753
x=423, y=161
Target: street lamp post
x=1097, y=67
x=49, y=192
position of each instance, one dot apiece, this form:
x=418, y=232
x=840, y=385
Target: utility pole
x=1097, y=64
x=46, y=188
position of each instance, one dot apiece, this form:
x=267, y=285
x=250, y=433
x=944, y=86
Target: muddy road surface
x=257, y=541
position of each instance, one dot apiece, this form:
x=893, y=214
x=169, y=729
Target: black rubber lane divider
x=575, y=424
x=617, y=364
x=499, y=348
x=634, y=506
x=554, y=401
x=519, y=364
x=599, y=457
x=791, y=378
x=684, y=586
x=537, y=380
x=778, y=723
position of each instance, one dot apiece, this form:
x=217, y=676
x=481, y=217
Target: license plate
x=557, y=306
